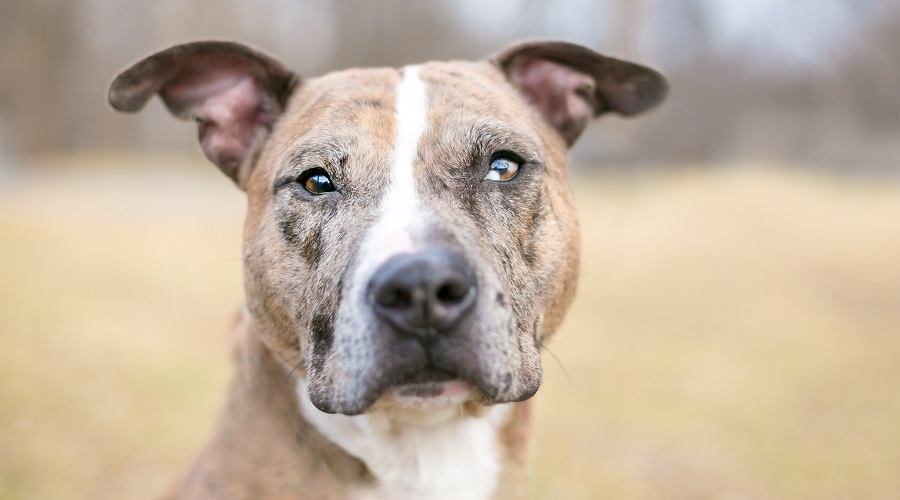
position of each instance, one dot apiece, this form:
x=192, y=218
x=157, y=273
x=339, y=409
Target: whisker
x=561, y=366
x=291, y=373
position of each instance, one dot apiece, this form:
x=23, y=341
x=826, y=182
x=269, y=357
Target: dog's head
x=410, y=236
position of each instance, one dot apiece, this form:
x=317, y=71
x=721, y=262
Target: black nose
x=423, y=293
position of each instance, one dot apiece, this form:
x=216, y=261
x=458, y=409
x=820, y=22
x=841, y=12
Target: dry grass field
x=736, y=336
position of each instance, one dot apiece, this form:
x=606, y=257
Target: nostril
x=423, y=293
x=452, y=292
x=394, y=297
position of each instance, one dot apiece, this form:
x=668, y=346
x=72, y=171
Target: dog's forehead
x=475, y=89
x=352, y=103
x=460, y=84
x=359, y=105
x=471, y=103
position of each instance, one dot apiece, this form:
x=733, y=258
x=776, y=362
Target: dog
x=409, y=245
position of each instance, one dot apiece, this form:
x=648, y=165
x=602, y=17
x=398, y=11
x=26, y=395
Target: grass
x=736, y=336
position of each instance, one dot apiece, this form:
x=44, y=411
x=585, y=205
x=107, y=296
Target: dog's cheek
x=263, y=282
x=318, y=314
x=557, y=271
x=539, y=252
x=511, y=305
x=281, y=250
x=329, y=276
x=520, y=214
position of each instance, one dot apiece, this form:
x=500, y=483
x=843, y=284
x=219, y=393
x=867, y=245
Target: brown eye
x=316, y=181
x=503, y=168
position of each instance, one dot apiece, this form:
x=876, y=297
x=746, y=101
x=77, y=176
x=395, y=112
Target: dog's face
x=410, y=237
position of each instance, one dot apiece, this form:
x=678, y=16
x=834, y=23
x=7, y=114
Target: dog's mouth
x=428, y=375
x=431, y=385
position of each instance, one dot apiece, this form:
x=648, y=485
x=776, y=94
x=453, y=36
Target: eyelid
x=284, y=180
x=330, y=157
x=291, y=179
x=511, y=155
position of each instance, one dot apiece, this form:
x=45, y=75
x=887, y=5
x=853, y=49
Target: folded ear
x=570, y=84
x=234, y=93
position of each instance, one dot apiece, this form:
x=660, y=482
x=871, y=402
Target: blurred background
x=737, y=329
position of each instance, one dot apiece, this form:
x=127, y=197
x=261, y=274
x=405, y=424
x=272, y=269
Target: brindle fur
x=521, y=237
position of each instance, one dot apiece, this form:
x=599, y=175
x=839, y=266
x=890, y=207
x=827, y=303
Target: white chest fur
x=452, y=459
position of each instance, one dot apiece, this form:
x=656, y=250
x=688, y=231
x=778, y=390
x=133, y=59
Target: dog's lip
x=431, y=383
x=427, y=376
x=431, y=394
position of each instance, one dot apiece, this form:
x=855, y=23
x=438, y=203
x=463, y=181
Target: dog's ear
x=570, y=84
x=234, y=93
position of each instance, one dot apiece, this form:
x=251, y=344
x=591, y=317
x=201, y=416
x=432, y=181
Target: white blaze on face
x=399, y=211
x=398, y=207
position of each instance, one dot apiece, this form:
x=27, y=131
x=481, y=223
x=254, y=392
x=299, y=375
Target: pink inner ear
x=564, y=96
x=230, y=109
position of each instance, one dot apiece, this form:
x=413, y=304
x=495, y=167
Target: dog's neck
x=452, y=454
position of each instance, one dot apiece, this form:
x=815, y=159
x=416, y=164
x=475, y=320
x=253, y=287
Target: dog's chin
x=428, y=389
x=424, y=391
x=428, y=396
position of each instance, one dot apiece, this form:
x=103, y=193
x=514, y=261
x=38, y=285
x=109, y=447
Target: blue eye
x=316, y=181
x=503, y=168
